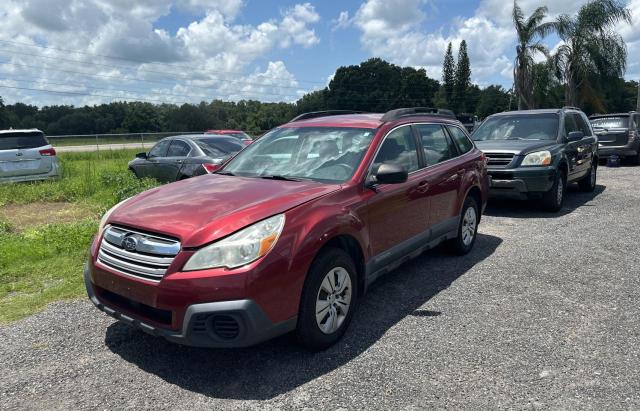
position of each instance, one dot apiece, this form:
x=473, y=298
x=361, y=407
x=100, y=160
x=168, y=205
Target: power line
x=172, y=75
x=191, y=96
x=132, y=79
x=182, y=67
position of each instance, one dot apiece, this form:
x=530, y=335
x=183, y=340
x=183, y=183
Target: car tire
x=588, y=183
x=553, y=200
x=467, y=228
x=328, y=299
x=636, y=159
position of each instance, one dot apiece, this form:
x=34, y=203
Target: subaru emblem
x=129, y=243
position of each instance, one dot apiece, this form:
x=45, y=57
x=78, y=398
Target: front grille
x=137, y=254
x=501, y=160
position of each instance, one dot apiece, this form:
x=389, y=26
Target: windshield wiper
x=281, y=178
x=225, y=173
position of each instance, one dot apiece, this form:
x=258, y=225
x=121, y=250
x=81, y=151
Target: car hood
x=514, y=146
x=202, y=209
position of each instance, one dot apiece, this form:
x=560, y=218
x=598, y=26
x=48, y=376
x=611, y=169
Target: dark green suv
x=534, y=154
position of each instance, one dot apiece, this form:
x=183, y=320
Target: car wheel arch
x=351, y=246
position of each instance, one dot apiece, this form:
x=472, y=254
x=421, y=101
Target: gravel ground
x=542, y=314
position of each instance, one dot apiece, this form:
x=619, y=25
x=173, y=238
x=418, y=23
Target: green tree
x=591, y=49
x=547, y=90
x=493, y=99
x=530, y=32
x=448, y=76
x=462, y=79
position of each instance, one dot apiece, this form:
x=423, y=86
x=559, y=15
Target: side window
x=160, y=149
x=569, y=124
x=437, y=146
x=464, y=144
x=582, y=125
x=399, y=147
x=178, y=149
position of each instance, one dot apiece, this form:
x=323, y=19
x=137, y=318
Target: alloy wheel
x=333, y=300
x=469, y=223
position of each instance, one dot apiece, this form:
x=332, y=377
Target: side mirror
x=391, y=174
x=575, y=136
x=142, y=156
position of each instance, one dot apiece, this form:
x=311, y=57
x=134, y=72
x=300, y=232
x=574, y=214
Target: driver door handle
x=423, y=187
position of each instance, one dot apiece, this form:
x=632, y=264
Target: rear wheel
x=553, y=199
x=588, y=183
x=636, y=159
x=467, y=228
x=328, y=299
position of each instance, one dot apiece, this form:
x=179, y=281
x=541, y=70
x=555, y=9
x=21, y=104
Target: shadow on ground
x=573, y=200
x=280, y=365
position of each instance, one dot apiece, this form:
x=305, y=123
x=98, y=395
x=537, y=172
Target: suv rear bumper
x=621, y=151
x=520, y=183
x=221, y=324
x=54, y=173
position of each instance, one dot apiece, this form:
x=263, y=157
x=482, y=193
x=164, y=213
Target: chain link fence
x=97, y=142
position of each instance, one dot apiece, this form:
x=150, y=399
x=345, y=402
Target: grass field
x=46, y=228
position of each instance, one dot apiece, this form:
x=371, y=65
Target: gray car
x=179, y=157
x=26, y=155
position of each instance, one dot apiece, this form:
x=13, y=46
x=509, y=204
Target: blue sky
x=94, y=51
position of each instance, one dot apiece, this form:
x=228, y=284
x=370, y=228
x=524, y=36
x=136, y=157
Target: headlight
x=539, y=158
x=106, y=216
x=243, y=247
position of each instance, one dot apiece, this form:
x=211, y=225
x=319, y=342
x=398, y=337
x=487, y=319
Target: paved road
x=544, y=313
x=94, y=147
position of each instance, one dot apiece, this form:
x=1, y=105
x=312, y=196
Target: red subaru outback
x=288, y=234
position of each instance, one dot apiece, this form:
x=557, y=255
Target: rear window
x=610, y=122
x=12, y=141
x=216, y=147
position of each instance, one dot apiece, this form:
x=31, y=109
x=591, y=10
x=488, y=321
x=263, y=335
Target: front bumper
x=221, y=324
x=521, y=183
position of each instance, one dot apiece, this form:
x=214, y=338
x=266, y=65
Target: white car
x=26, y=155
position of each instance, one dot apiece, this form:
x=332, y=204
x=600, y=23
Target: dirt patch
x=22, y=216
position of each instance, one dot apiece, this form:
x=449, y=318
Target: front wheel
x=553, y=200
x=328, y=299
x=588, y=183
x=467, y=228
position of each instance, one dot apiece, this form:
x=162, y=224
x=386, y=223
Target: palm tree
x=530, y=34
x=590, y=48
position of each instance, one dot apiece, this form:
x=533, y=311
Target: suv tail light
x=632, y=135
x=210, y=167
x=48, y=152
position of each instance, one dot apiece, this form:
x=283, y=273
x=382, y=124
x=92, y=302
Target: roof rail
x=571, y=108
x=414, y=111
x=324, y=113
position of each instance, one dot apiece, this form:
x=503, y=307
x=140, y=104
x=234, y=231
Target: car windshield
x=610, y=122
x=218, y=147
x=326, y=154
x=12, y=141
x=518, y=127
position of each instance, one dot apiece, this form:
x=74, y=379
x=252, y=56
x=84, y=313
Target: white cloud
x=342, y=22
x=398, y=36
x=207, y=57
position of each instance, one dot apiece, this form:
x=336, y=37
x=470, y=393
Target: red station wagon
x=289, y=234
